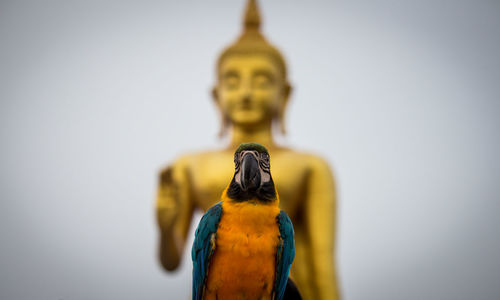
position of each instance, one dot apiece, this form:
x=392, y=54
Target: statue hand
x=168, y=200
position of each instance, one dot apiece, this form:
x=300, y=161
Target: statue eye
x=262, y=79
x=261, y=82
x=231, y=81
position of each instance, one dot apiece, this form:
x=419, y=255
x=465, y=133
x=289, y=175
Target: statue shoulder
x=309, y=160
x=167, y=170
x=317, y=162
x=320, y=175
x=190, y=161
x=319, y=167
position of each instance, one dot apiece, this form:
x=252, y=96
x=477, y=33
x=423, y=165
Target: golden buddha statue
x=251, y=95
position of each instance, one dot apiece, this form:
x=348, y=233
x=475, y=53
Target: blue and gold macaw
x=244, y=245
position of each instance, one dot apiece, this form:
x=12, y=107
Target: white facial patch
x=263, y=162
x=264, y=176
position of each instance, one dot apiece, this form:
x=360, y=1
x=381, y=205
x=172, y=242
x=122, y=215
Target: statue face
x=250, y=89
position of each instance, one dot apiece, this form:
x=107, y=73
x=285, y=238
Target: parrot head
x=252, y=175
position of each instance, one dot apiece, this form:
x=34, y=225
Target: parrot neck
x=251, y=200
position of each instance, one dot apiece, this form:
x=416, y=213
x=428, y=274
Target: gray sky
x=401, y=97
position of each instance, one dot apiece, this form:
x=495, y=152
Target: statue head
x=252, y=87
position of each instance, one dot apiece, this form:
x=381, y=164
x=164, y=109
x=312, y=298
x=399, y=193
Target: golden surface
x=251, y=94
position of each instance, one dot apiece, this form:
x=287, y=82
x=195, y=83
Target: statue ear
x=215, y=95
x=224, y=122
x=287, y=89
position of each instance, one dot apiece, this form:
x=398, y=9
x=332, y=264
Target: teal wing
x=204, y=247
x=284, y=254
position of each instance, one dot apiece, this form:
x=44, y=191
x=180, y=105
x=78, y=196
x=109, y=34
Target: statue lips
x=245, y=106
x=250, y=173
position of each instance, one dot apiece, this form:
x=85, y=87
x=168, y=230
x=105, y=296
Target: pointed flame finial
x=252, y=41
x=252, y=16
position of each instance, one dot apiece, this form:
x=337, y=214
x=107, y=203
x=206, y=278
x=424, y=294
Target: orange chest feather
x=247, y=229
x=245, y=255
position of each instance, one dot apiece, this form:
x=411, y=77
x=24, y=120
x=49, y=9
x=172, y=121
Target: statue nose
x=246, y=92
x=247, y=95
x=246, y=99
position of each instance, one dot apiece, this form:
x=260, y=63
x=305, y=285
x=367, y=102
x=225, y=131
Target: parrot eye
x=236, y=162
x=264, y=161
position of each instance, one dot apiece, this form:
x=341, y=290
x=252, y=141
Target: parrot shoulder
x=285, y=253
x=204, y=247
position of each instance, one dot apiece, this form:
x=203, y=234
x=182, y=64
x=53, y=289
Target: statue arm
x=174, y=211
x=320, y=226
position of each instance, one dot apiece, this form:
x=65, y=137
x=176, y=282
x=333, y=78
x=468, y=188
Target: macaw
x=244, y=245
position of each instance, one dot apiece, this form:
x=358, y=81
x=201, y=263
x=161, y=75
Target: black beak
x=250, y=172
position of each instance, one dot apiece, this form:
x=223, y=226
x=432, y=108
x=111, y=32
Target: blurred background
x=401, y=97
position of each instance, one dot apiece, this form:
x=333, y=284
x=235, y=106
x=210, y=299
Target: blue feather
x=204, y=247
x=284, y=254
